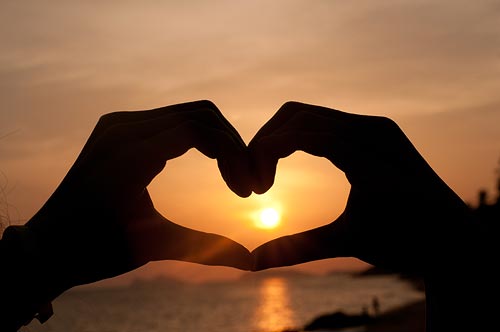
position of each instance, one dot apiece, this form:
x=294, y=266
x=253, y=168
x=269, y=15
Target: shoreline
x=408, y=318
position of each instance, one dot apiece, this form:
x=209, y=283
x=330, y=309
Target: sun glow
x=269, y=218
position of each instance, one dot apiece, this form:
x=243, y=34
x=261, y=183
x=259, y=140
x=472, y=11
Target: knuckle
x=385, y=123
x=202, y=112
x=291, y=106
x=287, y=109
x=205, y=103
x=381, y=127
x=110, y=119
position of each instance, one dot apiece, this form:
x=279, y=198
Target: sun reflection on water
x=274, y=312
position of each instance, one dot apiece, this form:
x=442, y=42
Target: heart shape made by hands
x=381, y=165
x=308, y=192
x=395, y=201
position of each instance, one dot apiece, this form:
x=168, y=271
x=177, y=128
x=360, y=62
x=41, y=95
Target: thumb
x=165, y=240
x=327, y=241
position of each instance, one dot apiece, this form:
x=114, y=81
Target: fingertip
x=237, y=175
x=222, y=251
x=260, y=188
x=311, y=245
x=263, y=171
x=263, y=178
x=253, y=267
x=265, y=257
x=241, y=258
x=244, y=193
x=241, y=187
x=258, y=265
x=246, y=263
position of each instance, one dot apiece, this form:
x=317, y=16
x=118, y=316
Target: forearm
x=461, y=302
x=27, y=284
x=460, y=293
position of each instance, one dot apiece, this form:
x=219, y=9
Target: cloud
x=63, y=65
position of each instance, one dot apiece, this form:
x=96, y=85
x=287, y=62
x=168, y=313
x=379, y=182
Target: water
x=266, y=304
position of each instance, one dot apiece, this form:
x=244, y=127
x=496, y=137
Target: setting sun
x=268, y=218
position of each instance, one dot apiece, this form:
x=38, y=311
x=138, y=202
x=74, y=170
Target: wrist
x=53, y=251
x=28, y=286
x=458, y=288
x=78, y=255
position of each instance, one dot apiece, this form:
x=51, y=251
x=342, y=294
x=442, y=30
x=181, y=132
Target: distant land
x=285, y=273
x=416, y=282
x=163, y=280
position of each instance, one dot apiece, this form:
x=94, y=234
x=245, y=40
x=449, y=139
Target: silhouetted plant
x=4, y=206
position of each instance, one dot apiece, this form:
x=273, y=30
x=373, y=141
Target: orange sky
x=431, y=66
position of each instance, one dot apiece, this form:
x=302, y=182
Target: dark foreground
x=409, y=318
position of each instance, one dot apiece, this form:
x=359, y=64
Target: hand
x=399, y=214
x=101, y=222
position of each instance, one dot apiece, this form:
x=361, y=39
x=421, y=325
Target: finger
x=150, y=127
x=144, y=123
x=316, y=130
x=231, y=152
x=212, y=142
x=292, y=116
x=304, y=132
x=233, y=163
x=267, y=152
x=164, y=240
x=328, y=241
x=132, y=131
x=291, y=108
x=209, y=249
x=109, y=120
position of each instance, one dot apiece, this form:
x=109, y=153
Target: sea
x=267, y=303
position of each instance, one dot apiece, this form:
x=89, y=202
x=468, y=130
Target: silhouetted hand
x=399, y=214
x=100, y=222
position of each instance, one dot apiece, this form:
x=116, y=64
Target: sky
x=433, y=67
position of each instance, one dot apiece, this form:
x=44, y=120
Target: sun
x=269, y=218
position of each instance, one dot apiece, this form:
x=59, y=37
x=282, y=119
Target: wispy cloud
x=427, y=64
